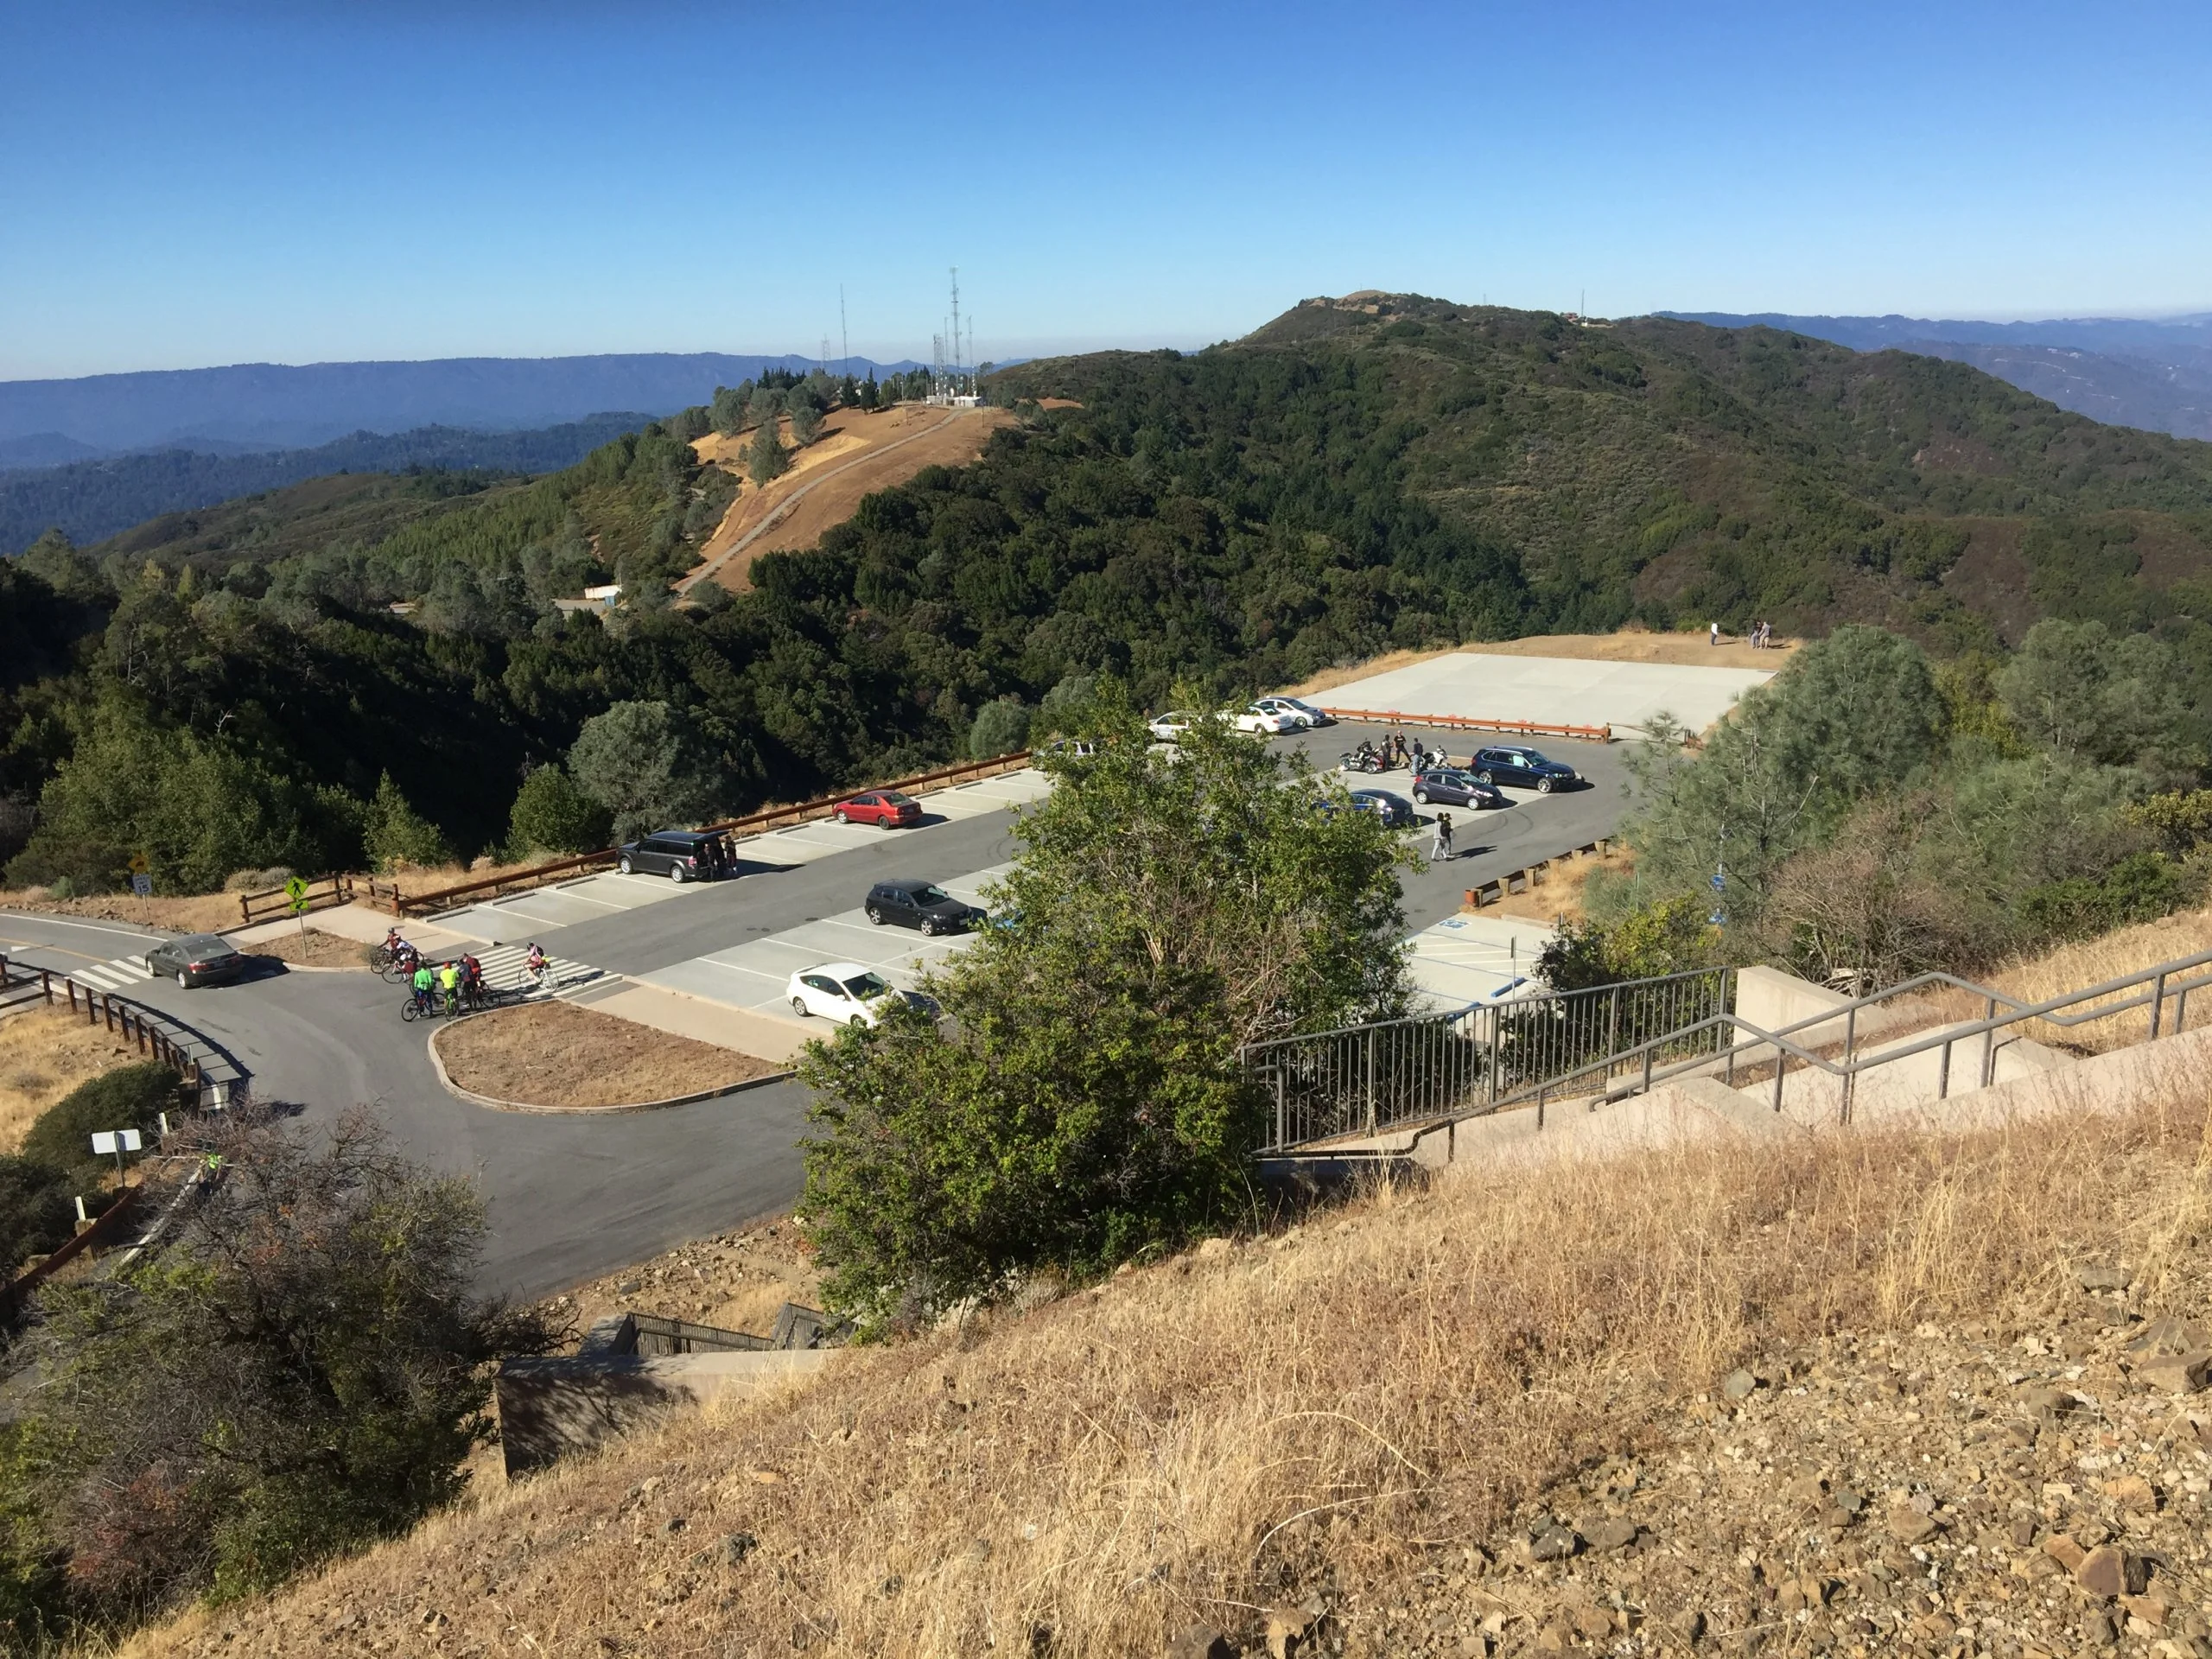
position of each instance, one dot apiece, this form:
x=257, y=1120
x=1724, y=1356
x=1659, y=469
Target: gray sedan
x=197, y=959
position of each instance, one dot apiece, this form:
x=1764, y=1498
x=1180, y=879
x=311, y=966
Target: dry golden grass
x=206, y=913
x=557, y=1054
x=43, y=1055
x=2091, y=962
x=1342, y=1406
x=1558, y=894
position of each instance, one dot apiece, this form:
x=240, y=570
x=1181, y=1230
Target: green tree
x=302, y=1373
x=2076, y=690
x=806, y=422
x=1857, y=712
x=766, y=458
x=398, y=836
x=639, y=762
x=552, y=815
x=1086, y=1104
x=1000, y=728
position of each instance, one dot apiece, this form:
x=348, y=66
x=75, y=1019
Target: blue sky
x=187, y=184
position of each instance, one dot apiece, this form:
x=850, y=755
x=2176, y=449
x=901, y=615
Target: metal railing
x=1733, y=1044
x=1396, y=1074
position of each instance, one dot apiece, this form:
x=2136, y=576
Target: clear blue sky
x=195, y=183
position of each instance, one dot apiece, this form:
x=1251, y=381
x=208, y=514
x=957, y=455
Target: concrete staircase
x=1903, y=1063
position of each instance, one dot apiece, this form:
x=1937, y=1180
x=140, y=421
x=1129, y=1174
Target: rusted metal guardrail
x=101, y=1230
x=752, y=824
x=325, y=893
x=1453, y=722
x=1490, y=892
x=126, y=1020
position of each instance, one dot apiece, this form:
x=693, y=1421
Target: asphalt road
x=573, y=1197
x=570, y=1197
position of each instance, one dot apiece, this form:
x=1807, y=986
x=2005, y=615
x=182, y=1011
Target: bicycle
x=417, y=1007
x=394, y=966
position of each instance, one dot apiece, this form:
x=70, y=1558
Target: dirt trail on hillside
x=857, y=454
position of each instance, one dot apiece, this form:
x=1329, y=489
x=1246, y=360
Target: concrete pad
x=1552, y=690
x=776, y=1039
x=1467, y=959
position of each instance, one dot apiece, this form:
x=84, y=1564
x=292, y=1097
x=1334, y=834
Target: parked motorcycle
x=1365, y=758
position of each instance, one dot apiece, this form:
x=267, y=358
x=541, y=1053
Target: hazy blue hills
x=273, y=406
x=2153, y=373
x=90, y=500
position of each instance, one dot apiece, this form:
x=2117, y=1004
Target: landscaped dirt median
x=560, y=1056
x=313, y=949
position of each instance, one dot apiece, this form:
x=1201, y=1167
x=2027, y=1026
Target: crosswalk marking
x=119, y=975
x=503, y=969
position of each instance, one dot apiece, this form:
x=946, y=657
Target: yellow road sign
x=138, y=864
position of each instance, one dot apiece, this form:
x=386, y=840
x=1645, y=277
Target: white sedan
x=1262, y=720
x=1300, y=714
x=848, y=993
x=1170, y=728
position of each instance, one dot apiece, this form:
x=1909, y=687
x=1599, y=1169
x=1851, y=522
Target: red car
x=887, y=808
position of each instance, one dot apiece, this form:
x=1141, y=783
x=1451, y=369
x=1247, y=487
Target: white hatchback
x=843, y=991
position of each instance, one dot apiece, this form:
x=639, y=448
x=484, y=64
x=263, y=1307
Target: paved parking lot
x=753, y=975
x=594, y=898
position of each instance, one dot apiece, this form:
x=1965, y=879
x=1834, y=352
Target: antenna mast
x=956, y=320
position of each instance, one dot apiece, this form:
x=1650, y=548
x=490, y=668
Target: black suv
x=679, y=855
x=920, y=904
x=1522, y=767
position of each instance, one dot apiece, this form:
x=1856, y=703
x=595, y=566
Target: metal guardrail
x=1368, y=1079
x=752, y=824
x=127, y=1019
x=1500, y=886
x=1452, y=722
x=325, y=894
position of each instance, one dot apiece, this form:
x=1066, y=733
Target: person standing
x=1442, y=848
x=1713, y=638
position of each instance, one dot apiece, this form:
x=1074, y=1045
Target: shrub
x=129, y=1097
x=552, y=815
x=35, y=1211
x=1000, y=728
x=2139, y=888
x=303, y=1373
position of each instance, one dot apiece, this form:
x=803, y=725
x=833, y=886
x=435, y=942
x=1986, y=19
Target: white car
x=1300, y=714
x=1170, y=728
x=1268, y=723
x=847, y=992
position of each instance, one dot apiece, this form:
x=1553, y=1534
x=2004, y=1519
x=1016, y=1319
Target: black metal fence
x=1398, y=1073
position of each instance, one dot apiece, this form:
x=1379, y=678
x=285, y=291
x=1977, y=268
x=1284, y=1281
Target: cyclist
x=449, y=983
x=535, y=962
x=424, y=982
x=472, y=979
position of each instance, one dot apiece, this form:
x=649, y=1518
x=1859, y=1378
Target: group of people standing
x=1761, y=636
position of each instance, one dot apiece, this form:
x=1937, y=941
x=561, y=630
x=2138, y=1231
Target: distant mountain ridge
x=90, y=500
x=2151, y=373
x=279, y=406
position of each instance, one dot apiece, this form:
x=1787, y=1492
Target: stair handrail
x=2156, y=980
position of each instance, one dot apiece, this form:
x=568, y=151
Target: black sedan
x=1395, y=810
x=920, y=904
x=197, y=959
x=1522, y=767
x=1449, y=786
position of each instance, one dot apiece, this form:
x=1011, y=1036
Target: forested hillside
x=1358, y=475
